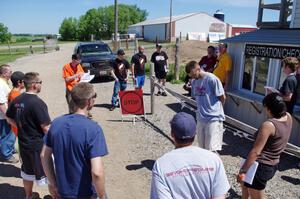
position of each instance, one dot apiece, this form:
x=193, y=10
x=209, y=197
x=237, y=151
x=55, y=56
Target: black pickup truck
x=96, y=57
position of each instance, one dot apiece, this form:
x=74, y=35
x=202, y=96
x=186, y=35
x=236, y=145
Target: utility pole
x=170, y=26
x=116, y=26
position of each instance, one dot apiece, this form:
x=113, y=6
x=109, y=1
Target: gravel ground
x=133, y=148
x=154, y=141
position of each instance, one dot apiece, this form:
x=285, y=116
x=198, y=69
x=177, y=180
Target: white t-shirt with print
x=4, y=91
x=188, y=173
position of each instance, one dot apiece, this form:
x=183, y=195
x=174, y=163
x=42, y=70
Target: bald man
x=138, y=62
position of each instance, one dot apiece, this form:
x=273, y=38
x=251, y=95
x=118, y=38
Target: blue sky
x=41, y=16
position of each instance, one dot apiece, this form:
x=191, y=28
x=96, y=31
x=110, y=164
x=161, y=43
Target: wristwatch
x=243, y=170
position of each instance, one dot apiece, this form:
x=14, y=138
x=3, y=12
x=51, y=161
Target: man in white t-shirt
x=188, y=172
x=7, y=137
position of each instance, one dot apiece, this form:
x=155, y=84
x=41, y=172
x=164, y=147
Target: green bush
x=171, y=74
x=23, y=39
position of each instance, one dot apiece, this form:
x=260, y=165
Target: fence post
x=177, y=62
x=136, y=43
x=180, y=37
x=127, y=44
x=152, y=88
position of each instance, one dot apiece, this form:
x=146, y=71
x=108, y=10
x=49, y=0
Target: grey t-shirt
x=188, y=173
x=206, y=91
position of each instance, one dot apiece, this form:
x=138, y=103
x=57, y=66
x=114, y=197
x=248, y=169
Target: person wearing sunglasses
x=72, y=73
x=78, y=145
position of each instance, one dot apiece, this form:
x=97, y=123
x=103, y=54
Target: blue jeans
x=119, y=86
x=139, y=81
x=7, y=140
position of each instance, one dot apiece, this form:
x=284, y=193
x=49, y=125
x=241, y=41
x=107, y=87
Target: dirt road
x=121, y=183
x=132, y=149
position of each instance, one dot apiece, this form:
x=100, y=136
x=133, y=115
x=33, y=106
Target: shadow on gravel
x=8, y=170
x=146, y=94
x=294, y=181
x=102, y=79
x=107, y=106
x=232, y=194
x=144, y=164
x=236, y=146
x=11, y=192
x=176, y=107
x=158, y=130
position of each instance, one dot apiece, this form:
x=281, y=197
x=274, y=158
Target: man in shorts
x=161, y=68
x=30, y=114
x=188, y=171
x=78, y=145
x=138, y=62
x=209, y=94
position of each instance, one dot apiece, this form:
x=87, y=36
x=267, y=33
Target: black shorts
x=263, y=174
x=161, y=75
x=31, y=168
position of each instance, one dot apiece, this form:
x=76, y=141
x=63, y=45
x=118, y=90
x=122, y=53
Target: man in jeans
x=119, y=72
x=77, y=144
x=72, y=73
x=7, y=137
x=209, y=94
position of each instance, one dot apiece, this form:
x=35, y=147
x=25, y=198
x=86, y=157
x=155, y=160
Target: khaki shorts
x=210, y=135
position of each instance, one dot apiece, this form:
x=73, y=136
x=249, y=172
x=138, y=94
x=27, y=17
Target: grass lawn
x=16, y=53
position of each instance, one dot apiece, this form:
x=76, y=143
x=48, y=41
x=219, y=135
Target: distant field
x=16, y=53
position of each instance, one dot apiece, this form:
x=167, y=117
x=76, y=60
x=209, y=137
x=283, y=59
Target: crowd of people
x=66, y=153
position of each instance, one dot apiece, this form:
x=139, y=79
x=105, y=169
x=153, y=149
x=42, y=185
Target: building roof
x=164, y=20
x=268, y=36
x=242, y=26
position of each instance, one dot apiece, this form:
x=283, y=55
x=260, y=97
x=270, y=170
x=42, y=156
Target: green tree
x=100, y=22
x=69, y=29
x=5, y=36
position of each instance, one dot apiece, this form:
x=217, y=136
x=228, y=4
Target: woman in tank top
x=270, y=141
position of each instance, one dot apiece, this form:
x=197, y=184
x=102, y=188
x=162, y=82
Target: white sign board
x=200, y=36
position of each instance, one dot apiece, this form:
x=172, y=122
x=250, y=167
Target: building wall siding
x=151, y=31
x=197, y=23
x=296, y=15
x=244, y=111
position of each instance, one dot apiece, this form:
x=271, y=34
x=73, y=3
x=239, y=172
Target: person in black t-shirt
x=119, y=72
x=288, y=89
x=160, y=60
x=138, y=62
x=30, y=114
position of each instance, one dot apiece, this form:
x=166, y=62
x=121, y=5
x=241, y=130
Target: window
x=255, y=74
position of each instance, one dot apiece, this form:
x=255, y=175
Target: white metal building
x=195, y=24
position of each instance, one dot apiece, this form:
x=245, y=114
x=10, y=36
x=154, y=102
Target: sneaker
x=34, y=196
x=164, y=94
x=112, y=108
x=158, y=93
x=12, y=160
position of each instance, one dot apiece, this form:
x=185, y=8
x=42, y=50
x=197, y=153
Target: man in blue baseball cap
x=188, y=171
